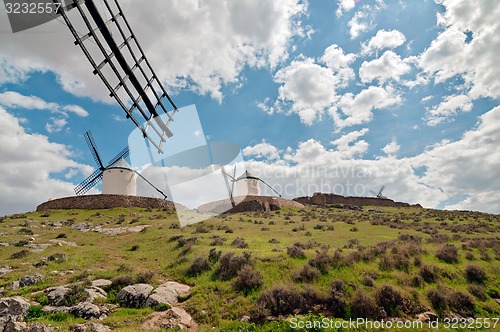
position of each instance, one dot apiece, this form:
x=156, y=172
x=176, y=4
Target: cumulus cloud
x=345, y=6
x=200, y=45
x=349, y=146
x=383, y=39
x=391, y=148
x=263, y=149
x=308, y=87
x=448, y=108
x=467, y=166
x=388, y=66
x=358, y=24
x=451, y=54
x=29, y=162
x=12, y=99
x=358, y=109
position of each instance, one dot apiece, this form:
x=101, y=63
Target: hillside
x=253, y=271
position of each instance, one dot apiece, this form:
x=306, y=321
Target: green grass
x=215, y=303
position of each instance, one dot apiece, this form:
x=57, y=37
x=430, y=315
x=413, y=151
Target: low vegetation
x=314, y=262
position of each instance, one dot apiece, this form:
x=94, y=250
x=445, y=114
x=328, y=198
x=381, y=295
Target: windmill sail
x=95, y=177
x=118, y=59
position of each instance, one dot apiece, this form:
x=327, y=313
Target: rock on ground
x=57, y=295
x=85, y=310
x=167, y=293
x=30, y=280
x=89, y=327
x=101, y=283
x=14, y=308
x=170, y=319
x=95, y=293
x=134, y=296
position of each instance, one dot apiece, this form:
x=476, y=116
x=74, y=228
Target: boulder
x=85, y=310
x=15, y=326
x=427, y=316
x=89, y=327
x=14, y=308
x=101, y=283
x=174, y=318
x=95, y=293
x=134, y=296
x=167, y=293
x=40, y=328
x=57, y=295
x=5, y=270
x=30, y=280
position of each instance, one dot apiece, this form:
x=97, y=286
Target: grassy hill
x=313, y=262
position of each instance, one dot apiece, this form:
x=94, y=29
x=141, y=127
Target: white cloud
x=358, y=24
x=349, y=145
x=391, y=148
x=448, y=108
x=383, y=39
x=449, y=54
x=309, y=87
x=55, y=125
x=178, y=39
x=345, y=6
x=468, y=166
x=262, y=150
x=335, y=58
x=28, y=161
x=358, y=109
x=388, y=66
x=12, y=99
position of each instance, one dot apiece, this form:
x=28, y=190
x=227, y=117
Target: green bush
x=41, y=298
x=475, y=273
x=448, y=253
x=248, y=279
x=34, y=312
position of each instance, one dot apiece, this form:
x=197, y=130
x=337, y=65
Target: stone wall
x=91, y=202
x=324, y=199
x=248, y=203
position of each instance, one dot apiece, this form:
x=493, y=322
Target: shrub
x=144, y=277
x=461, y=303
x=201, y=230
x=57, y=258
x=295, y=252
x=25, y=231
x=475, y=273
x=21, y=243
x=281, y=300
x=429, y=273
x=134, y=247
x=42, y=298
x=322, y=261
x=336, y=299
x=229, y=265
x=248, y=279
x=390, y=299
x=34, y=312
x=306, y=274
x=161, y=307
x=477, y=291
x=199, y=265
x=448, y=253
x=20, y=254
x=61, y=236
x=214, y=255
x=76, y=295
x=121, y=281
x=438, y=300
x=364, y=306
x=239, y=243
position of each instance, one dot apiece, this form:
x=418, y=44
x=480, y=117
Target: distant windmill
x=117, y=178
x=246, y=183
x=379, y=194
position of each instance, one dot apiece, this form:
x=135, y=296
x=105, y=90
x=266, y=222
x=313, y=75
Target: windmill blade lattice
x=89, y=182
x=118, y=59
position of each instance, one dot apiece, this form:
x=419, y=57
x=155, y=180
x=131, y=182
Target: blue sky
x=407, y=91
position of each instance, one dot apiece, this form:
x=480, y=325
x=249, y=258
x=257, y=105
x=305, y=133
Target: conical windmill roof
x=247, y=175
x=120, y=163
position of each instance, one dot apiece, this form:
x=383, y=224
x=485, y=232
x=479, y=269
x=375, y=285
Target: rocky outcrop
x=134, y=296
x=57, y=295
x=89, y=202
x=167, y=294
x=89, y=327
x=175, y=318
x=30, y=280
x=327, y=199
x=85, y=310
x=5, y=270
x=248, y=203
x=13, y=310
